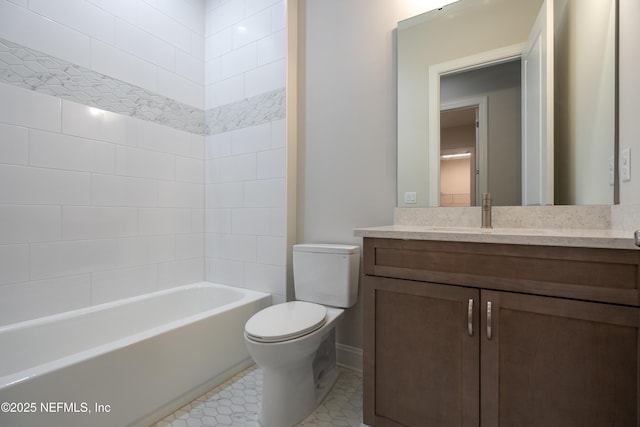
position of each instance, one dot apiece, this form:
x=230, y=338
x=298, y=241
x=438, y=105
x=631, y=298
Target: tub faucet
x=486, y=210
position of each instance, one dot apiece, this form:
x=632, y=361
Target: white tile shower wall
x=245, y=146
x=246, y=49
x=97, y=205
x=94, y=205
x=155, y=44
x=245, y=208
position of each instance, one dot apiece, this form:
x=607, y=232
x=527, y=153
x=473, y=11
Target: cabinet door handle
x=489, y=335
x=470, y=317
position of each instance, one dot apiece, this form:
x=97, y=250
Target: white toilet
x=294, y=342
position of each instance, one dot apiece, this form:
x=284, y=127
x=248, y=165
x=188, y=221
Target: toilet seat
x=284, y=322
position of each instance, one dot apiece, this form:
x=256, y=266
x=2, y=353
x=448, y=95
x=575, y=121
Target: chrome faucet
x=637, y=237
x=486, y=210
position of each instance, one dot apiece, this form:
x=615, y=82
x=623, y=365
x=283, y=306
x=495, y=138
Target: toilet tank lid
x=326, y=248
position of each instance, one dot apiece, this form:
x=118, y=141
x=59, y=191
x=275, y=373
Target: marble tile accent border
x=30, y=69
x=33, y=70
x=256, y=110
x=539, y=217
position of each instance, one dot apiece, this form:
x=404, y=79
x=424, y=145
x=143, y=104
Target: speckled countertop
x=575, y=226
x=592, y=238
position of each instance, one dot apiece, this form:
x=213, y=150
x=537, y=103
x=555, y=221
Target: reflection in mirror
x=458, y=146
x=582, y=129
x=497, y=89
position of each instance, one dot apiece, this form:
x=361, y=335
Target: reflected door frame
x=483, y=59
x=537, y=111
x=481, y=145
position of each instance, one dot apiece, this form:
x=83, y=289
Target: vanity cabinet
x=468, y=334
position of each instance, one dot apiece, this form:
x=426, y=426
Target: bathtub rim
x=11, y=379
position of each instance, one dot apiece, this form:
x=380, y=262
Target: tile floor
x=235, y=403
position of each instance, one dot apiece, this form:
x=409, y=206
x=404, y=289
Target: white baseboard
x=349, y=357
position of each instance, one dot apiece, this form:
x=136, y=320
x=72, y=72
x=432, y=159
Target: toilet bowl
x=297, y=373
x=294, y=342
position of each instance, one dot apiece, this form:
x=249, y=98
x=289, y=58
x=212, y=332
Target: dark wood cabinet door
x=557, y=362
x=421, y=362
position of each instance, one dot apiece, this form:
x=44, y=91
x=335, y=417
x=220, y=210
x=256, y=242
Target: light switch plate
x=410, y=197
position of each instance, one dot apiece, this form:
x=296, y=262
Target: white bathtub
x=127, y=362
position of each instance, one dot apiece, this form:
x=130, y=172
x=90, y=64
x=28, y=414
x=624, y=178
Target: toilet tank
x=326, y=274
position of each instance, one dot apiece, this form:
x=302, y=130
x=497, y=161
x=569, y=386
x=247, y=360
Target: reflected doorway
x=458, y=149
x=496, y=88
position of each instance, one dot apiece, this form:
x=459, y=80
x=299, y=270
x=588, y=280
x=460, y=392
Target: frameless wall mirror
x=513, y=97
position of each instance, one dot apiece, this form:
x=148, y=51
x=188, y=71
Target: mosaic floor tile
x=235, y=403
